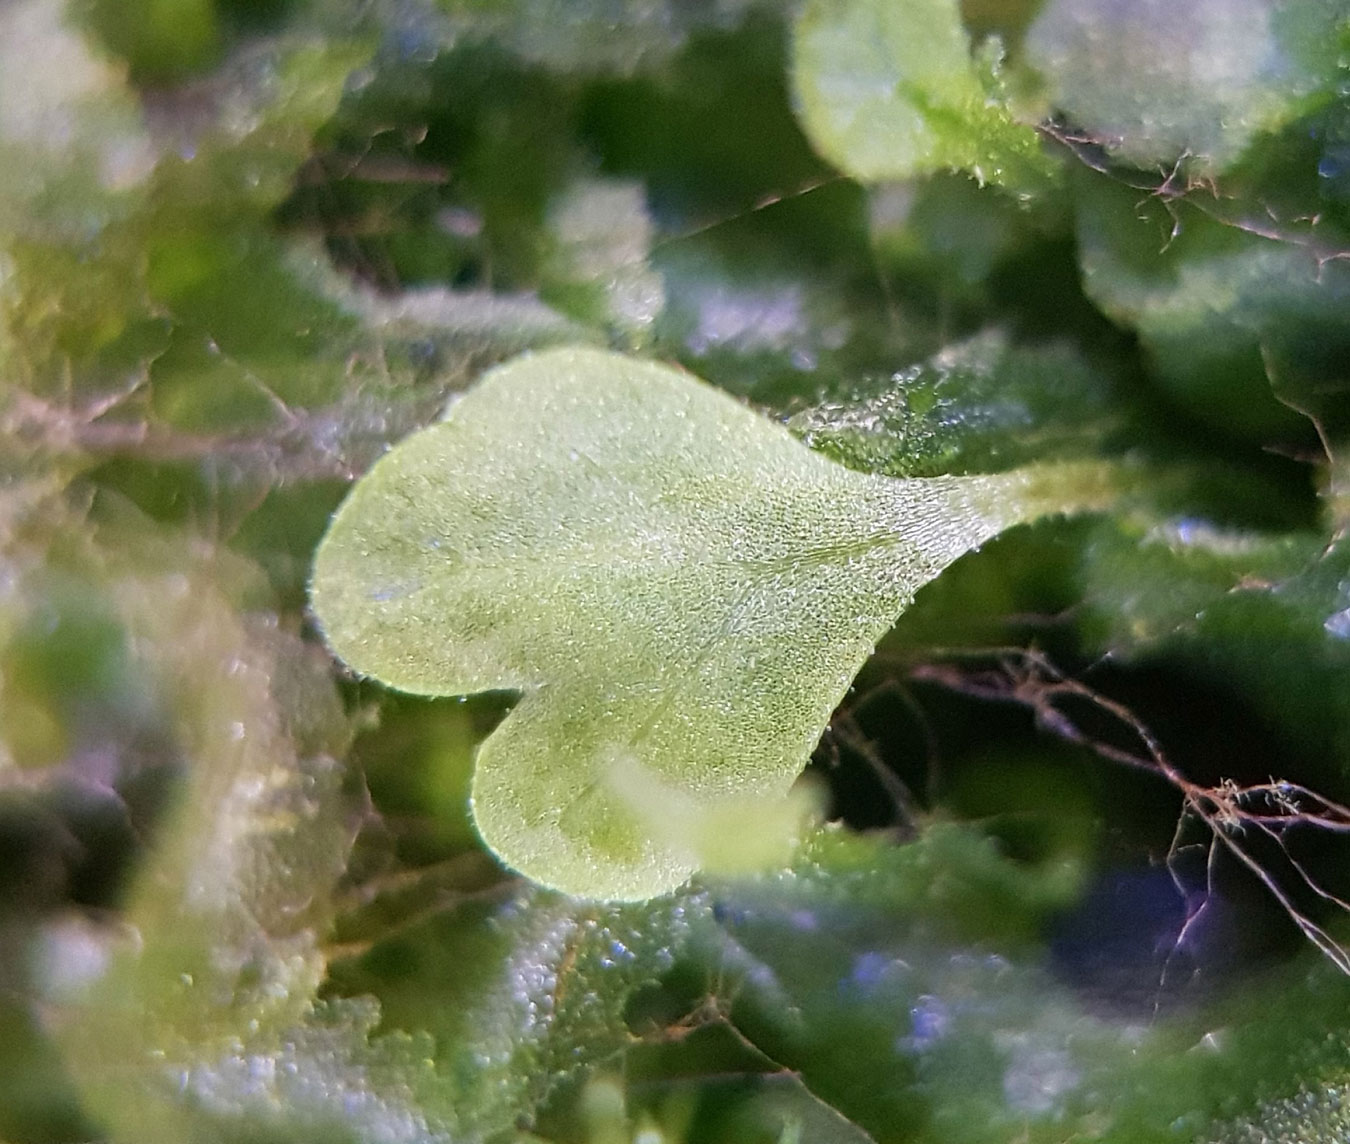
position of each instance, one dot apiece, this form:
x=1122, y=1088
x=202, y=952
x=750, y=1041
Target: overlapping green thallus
x=890, y=91
x=680, y=591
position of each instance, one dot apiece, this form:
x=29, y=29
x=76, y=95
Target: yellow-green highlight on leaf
x=888, y=89
x=679, y=590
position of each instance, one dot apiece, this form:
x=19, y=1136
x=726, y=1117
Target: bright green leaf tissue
x=890, y=90
x=681, y=592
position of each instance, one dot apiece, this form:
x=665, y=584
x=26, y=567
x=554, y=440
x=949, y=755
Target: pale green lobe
x=888, y=89
x=1154, y=80
x=680, y=591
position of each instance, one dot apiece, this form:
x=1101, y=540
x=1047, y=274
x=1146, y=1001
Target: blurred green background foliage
x=1076, y=800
